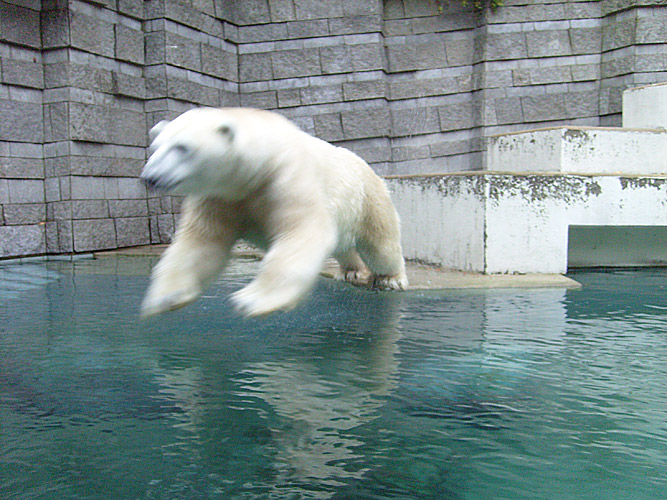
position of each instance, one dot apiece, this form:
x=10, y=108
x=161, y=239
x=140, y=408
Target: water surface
x=503, y=394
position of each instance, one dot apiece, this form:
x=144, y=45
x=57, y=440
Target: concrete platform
x=421, y=277
x=581, y=150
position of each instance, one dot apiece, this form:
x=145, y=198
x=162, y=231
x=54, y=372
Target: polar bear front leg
x=290, y=267
x=200, y=250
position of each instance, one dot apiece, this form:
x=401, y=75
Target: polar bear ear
x=157, y=128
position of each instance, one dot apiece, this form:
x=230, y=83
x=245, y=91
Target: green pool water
x=503, y=394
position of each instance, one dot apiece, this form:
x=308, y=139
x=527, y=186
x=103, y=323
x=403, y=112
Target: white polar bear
x=252, y=174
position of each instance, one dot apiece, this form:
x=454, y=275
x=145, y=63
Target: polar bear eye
x=225, y=130
x=181, y=149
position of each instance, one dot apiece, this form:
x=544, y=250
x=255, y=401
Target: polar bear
x=252, y=174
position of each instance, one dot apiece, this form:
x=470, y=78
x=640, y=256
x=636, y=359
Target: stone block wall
x=413, y=86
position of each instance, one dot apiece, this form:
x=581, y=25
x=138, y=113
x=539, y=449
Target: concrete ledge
x=579, y=150
x=500, y=223
x=421, y=276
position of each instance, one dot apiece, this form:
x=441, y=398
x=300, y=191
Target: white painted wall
x=588, y=150
x=645, y=107
x=504, y=223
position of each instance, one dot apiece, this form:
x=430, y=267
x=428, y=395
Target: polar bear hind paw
x=354, y=276
x=389, y=282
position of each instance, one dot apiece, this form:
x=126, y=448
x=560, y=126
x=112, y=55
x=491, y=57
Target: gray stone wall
x=413, y=86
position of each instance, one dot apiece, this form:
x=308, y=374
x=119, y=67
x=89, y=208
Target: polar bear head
x=210, y=152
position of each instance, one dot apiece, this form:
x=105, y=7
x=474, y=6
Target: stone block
x=155, y=47
x=545, y=108
x=374, y=122
x=22, y=73
x=361, y=7
x=308, y=29
x=131, y=8
x=423, y=88
x=585, y=72
x=131, y=188
x=189, y=91
x=586, y=40
x=132, y=231
x=162, y=228
x=321, y=94
x=59, y=210
x=24, y=214
x=582, y=104
x=255, y=67
x=21, y=121
x=406, y=153
x=183, y=52
x=415, y=120
x=459, y=52
x=329, y=127
x=219, y=62
x=129, y=44
x=351, y=25
x=20, y=26
x=357, y=91
x=619, y=34
x=289, y=98
x=296, y=63
x=19, y=241
x=282, y=10
x=25, y=191
x=502, y=46
x=107, y=125
x=652, y=28
x=316, y=9
x=91, y=35
x=93, y=234
x=22, y=168
x=89, y=123
x=90, y=209
x=553, y=74
x=508, y=111
x=548, y=43
x=87, y=188
x=128, y=86
x=261, y=100
x=416, y=56
x=457, y=116
x=51, y=189
x=336, y=59
x=245, y=12
x=4, y=191
x=367, y=56
x=128, y=208
x=55, y=28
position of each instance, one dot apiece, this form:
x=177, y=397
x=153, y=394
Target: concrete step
x=584, y=150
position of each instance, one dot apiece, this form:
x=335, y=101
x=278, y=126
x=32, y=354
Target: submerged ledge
x=420, y=276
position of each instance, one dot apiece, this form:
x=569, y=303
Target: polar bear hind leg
x=351, y=268
x=379, y=244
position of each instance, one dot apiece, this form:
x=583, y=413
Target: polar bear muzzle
x=166, y=167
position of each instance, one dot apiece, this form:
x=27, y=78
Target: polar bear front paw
x=387, y=282
x=253, y=300
x=158, y=304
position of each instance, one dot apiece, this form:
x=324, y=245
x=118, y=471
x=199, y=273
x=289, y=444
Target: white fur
x=252, y=174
